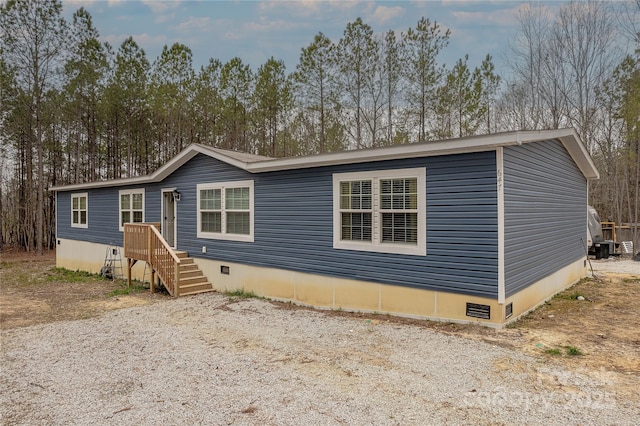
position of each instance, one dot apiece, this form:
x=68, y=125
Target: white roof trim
x=174, y=164
x=568, y=137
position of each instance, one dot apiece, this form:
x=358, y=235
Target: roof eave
x=580, y=155
x=171, y=166
x=568, y=137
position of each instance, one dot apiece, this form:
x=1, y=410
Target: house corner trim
x=500, y=190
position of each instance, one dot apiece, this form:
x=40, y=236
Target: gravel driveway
x=617, y=265
x=206, y=360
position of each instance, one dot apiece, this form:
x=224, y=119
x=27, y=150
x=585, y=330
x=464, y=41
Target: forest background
x=74, y=109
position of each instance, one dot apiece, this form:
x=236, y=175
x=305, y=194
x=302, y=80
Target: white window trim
x=80, y=195
x=223, y=235
x=376, y=245
x=130, y=191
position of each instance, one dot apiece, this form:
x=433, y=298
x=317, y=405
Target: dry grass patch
x=33, y=291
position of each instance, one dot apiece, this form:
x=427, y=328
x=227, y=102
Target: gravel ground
x=617, y=265
x=205, y=360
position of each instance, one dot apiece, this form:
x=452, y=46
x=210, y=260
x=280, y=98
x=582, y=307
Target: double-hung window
x=79, y=210
x=382, y=211
x=131, y=206
x=399, y=210
x=225, y=210
x=356, y=210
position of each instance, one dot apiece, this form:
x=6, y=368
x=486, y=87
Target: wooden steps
x=178, y=272
x=191, y=279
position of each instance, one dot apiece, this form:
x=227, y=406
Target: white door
x=169, y=217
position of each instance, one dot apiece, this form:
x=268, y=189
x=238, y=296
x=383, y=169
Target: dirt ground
x=602, y=331
x=33, y=291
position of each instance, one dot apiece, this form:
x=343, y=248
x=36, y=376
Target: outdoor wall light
x=176, y=195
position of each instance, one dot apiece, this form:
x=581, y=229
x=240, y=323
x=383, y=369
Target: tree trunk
x=40, y=198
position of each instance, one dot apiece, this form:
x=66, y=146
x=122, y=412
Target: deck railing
x=143, y=241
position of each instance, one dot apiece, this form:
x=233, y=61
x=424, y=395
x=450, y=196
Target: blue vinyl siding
x=294, y=225
x=103, y=214
x=545, y=212
x=102, y=217
x=104, y=204
x=294, y=222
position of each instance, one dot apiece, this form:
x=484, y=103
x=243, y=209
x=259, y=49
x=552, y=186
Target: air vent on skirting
x=478, y=311
x=508, y=310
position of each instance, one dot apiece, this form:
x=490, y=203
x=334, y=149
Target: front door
x=169, y=217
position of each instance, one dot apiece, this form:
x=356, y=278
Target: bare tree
x=629, y=19
x=587, y=34
x=525, y=59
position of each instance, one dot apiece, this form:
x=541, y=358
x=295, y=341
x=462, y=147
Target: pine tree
x=85, y=73
x=490, y=82
x=171, y=90
x=421, y=47
x=316, y=94
x=236, y=83
x=32, y=40
x=128, y=147
x=357, y=60
x=272, y=97
x=208, y=104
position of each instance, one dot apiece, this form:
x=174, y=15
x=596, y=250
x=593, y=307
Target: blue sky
x=257, y=30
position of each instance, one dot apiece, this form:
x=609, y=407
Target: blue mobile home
x=478, y=229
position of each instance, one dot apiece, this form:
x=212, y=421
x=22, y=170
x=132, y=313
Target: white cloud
x=299, y=8
x=465, y=2
x=144, y=40
x=231, y=35
x=160, y=6
x=308, y=8
x=502, y=17
x=193, y=23
x=74, y=3
x=265, y=24
x=384, y=14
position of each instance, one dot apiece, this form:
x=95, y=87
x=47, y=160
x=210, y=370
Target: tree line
x=75, y=109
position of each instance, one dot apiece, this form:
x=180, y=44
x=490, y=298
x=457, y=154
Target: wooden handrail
x=136, y=237
x=143, y=241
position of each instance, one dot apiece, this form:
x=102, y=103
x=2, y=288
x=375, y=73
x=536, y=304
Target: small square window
x=79, y=210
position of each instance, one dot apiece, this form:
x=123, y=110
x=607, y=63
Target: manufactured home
x=476, y=229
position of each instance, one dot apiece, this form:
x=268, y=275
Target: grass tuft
x=123, y=291
x=573, y=351
x=553, y=351
x=518, y=322
x=569, y=296
x=69, y=276
x=241, y=294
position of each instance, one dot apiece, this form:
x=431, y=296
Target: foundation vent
x=224, y=270
x=478, y=311
x=508, y=310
